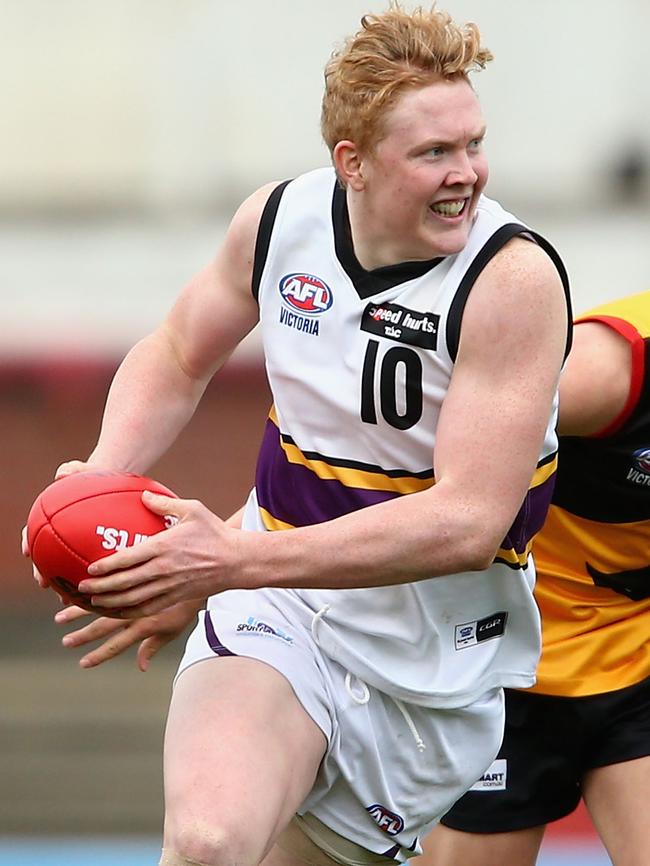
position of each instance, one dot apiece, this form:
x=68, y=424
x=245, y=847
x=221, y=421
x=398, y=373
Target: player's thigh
x=447, y=847
x=618, y=800
x=241, y=754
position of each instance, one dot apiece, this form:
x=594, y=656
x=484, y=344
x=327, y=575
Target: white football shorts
x=391, y=769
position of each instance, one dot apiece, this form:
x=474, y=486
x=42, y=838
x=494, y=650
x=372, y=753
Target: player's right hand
x=151, y=632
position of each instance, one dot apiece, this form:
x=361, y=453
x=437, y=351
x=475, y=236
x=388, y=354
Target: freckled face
x=423, y=180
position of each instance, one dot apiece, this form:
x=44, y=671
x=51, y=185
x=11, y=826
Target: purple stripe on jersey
x=531, y=516
x=296, y=495
x=215, y=644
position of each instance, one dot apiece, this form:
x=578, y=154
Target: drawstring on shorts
x=364, y=695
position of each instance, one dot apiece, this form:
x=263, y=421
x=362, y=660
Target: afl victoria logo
x=306, y=293
x=642, y=459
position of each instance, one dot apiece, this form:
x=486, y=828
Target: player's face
x=424, y=177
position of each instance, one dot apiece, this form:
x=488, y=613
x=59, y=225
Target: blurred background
x=129, y=133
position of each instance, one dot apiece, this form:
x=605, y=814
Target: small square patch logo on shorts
x=494, y=778
x=472, y=633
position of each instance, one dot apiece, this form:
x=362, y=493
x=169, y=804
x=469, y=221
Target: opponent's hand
x=151, y=633
x=194, y=559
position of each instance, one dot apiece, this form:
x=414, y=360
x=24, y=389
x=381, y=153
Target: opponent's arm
x=488, y=441
x=595, y=384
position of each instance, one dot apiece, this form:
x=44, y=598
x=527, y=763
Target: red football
x=85, y=516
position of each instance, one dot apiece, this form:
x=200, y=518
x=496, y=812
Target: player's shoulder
x=524, y=262
x=241, y=235
x=249, y=212
x=521, y=283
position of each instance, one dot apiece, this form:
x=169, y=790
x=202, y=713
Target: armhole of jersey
x=488, y=251
x=637, y=345
x=264, y=236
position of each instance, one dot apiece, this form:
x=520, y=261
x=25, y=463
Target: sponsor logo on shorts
x=494, y=778
x=386, y=820
x=415, y=327
x=257, y=626
x=472, y=633
x=639, y=473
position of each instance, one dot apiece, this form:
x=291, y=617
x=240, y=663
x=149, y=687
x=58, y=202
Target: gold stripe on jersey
x=544, y=471
x=508, y=555
x=361, y=476
x=271, y=522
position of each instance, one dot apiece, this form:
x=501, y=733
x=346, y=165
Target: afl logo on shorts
x=386, y=820
x=642, y=460
x=305, y=293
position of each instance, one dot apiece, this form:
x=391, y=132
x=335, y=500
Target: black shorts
x=549, y=744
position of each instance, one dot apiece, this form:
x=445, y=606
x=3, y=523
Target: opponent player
x=584, y=729
x=350, y=669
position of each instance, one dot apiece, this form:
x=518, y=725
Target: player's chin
x=446, y=237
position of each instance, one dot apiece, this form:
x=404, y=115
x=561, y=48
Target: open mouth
x=449, y=209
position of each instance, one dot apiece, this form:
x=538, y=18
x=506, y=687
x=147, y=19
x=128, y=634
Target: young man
x=584, y=729
x=413, y=334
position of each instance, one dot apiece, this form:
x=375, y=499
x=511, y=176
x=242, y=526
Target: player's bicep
x=500, y=399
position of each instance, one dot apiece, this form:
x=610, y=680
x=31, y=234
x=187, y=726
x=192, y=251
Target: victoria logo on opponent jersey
x=639, y=473
x=305, y=293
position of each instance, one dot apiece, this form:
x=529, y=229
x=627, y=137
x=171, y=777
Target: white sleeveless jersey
x=359, y=363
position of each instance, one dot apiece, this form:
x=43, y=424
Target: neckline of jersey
x=368, y=283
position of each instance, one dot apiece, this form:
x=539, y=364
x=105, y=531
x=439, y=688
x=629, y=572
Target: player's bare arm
x=491, y=428
x=595, y=385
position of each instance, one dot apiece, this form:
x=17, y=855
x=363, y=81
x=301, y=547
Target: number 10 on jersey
x=399, y=372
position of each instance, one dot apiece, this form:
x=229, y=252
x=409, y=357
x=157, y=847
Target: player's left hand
x=191, y=560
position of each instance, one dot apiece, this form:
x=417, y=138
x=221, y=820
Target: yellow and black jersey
x=593, y=554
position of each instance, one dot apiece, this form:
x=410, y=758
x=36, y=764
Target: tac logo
x=306, y=293
x=386, y=820
x=642, y=460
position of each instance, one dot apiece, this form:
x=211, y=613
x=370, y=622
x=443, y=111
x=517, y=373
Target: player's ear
x=349, y=165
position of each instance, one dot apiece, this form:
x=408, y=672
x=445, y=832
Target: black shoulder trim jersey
x=264, y=235
x=498, y=240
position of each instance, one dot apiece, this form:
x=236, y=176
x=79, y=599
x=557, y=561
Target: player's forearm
x=413, y=538
x=150, y=401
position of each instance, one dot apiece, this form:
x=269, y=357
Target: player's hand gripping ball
x=85, y=516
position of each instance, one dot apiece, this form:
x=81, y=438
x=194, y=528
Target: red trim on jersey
x=637, y=344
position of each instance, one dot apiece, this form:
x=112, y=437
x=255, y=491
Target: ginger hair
x=392, y=52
